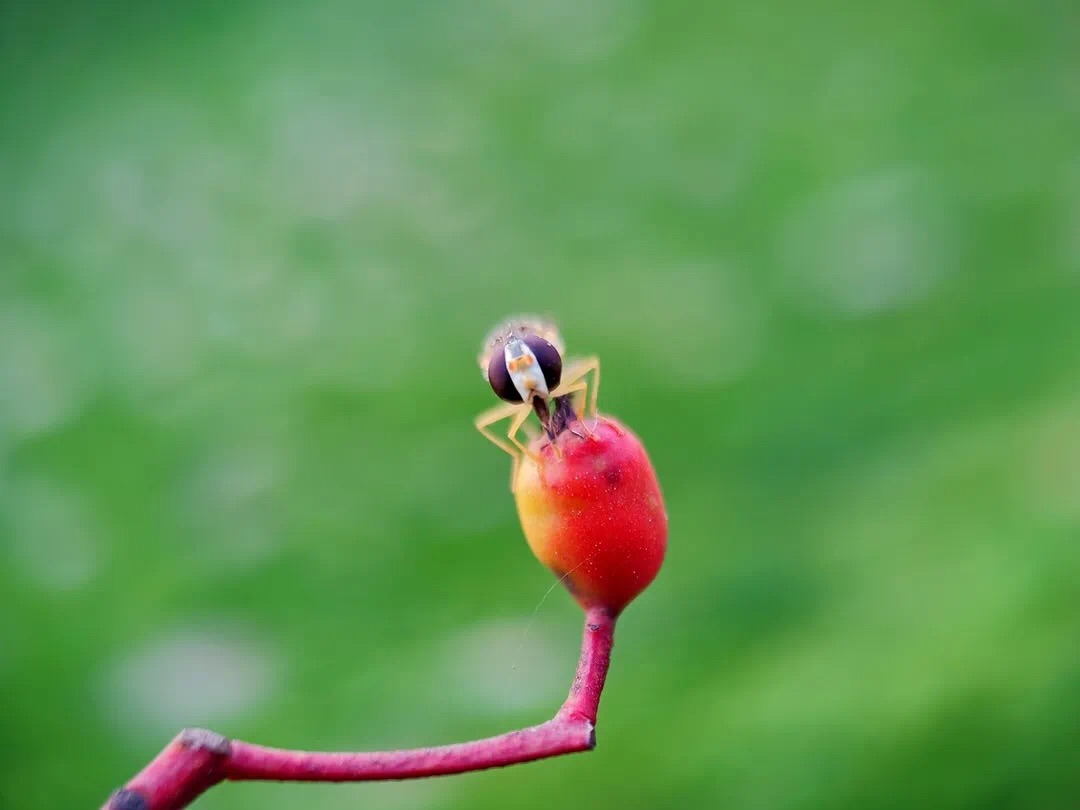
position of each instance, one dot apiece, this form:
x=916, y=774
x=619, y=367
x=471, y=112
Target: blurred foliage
x=828, y=252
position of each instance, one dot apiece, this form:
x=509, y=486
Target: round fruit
x=593, y=513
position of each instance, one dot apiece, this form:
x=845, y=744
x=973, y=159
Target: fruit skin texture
x=595, y=515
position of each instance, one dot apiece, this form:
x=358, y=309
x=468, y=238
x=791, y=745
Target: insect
x=522, y=361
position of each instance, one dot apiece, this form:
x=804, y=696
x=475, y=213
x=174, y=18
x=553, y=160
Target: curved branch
x=197, y=760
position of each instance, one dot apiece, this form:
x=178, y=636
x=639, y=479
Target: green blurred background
x=828, y=252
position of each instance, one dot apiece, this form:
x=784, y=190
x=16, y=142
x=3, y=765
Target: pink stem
x=197, y=760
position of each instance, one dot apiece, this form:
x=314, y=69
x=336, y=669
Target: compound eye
x=549, y=359
x=499, y=378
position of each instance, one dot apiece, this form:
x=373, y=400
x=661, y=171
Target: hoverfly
x=522, y=361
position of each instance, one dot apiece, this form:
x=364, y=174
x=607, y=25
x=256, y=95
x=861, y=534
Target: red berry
x=593, y=512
